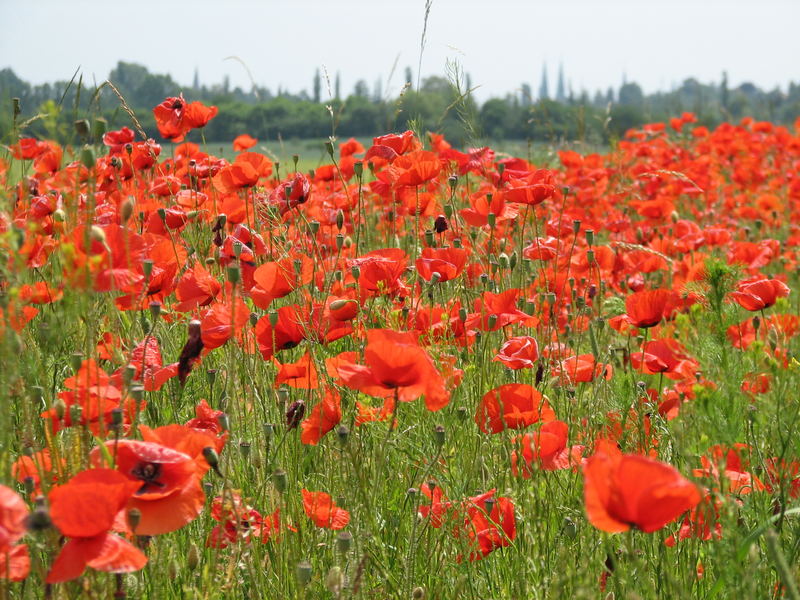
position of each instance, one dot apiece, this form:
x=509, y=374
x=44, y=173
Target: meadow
x=391, y=368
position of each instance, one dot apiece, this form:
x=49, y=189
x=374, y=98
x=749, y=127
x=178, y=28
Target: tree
x=527, y=94
x=337, y=86
x=317, y=88
x=361, y=89
x=544, y=93
x=561, y=95
x=630, y=94
x=409, y=77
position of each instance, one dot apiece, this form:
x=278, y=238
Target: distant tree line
x=440, y=104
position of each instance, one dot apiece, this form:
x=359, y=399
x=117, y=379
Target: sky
x=500, y=43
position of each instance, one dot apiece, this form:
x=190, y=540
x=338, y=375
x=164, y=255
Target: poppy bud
x=313, y=226
x=87, y=157
x=234, y=274
x=60, y=408
x=29, y=483
x=503, y=259
x=272, y=315
x=348, y=241
x=59, y=216
x=116, y=417
x=75, y=360
x=254, y=318
x=412, y=493
x=439, y=435
x=435, y=277
x=155, y=309
x=462, y=314
x=356, y=271
x=358, y=168
x=342, y=433
x=457, y=243
x=429, y=241
x=137, y=393
x=283, y=395
x=82, y=127
x=126, y=209
x=212, y=458
x=39, y=519
x=100, y=126
x=343, y=541
x=303, y=570
x=294, y=414
x=15, y=106
x=512, y=260
x=269, y=431
x=224, y=422
x=448, y=210
x=339, y=219
x=488, y=505
x=334, y=580
x=576, y=226
x=244, y=449
x=134, y=517
x=484, y=279
x=452, y=182
x=569, y=528
x=756, y=323
x=492, y=321
x=192, y=557
x=418, y=593
x=440, y=224
x=491, y=218
x=279, y=479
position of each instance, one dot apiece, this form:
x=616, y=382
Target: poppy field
x=413, y=371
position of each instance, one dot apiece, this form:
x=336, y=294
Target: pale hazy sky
x=501, y=43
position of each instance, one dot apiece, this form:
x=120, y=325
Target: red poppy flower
x=325, y=415
x=244, y=172
x=396, y=366
x=648, y=307
x=627, y=490
x=518, y=352
x=275, y=280
x=175, y=118
x=665, y=356
x=545, y=449
x=84, y=510
x=321, y=509
x=448, y=263
x=243, y=142
x=240, y=521
x=759, y=293
x=495, y=311
x=438, y=507
x=288, y=332
x=512, y=406
x=582, y=368
x=300, y=374
x=532, y=190
x=13, y=514
x=489, y=523
x=207, y=419
x=415, y=168
x=734, y=467
x=168, y=492
x=223, y=321
x=197, y=287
